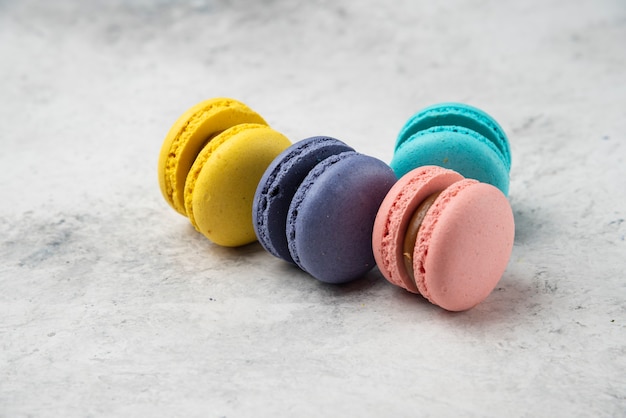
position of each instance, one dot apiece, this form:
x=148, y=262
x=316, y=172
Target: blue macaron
x=458, y=137
x=315, y=206
x=279, y=184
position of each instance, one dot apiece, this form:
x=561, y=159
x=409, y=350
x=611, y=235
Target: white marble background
x=112, y=305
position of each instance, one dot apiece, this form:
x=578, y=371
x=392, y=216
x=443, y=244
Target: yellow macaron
x=188, y=136
x=210, y=164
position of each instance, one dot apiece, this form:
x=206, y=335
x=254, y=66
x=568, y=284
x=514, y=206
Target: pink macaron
x=443, y=236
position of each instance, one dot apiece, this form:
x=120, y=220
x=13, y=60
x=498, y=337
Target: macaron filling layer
x=428, y=229
x=412, y=231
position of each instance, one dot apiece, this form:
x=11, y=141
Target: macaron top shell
x=456, y=148
x=221, y=184
x=280, y=183
x=463, y=245
x=394, y=214
x=462, y=115
x=330, y=219
x=188, y=136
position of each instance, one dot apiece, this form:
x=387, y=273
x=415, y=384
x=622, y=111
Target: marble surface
x=112, y=305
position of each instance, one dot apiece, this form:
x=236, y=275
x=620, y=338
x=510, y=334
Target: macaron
x=444, y=236
x=210, y=164
x=458, y=137
x=315, y=206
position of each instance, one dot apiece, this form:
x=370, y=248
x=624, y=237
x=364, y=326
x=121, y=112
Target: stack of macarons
x=436, y=220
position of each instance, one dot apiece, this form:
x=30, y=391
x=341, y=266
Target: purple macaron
x=315, y=206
